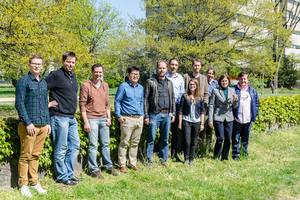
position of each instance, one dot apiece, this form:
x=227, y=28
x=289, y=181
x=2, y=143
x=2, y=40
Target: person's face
x=134, y=76
x=97, y=73
x=210, y=75
x=243, y=81
x=35, y=65
x=196, y=67
x=192, y=86
x=161, y=69
x=173, y=66
x=224, y=82
x=69, y=64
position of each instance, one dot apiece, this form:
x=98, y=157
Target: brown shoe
x=165, y=165
x=150, y=166
x=97, y=175
x=123, y=169
x=112, y=171
x=135, y=168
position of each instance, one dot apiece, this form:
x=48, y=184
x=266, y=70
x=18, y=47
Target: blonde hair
x=188, y=93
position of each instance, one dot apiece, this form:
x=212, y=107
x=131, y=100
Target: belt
x=164, y=111
x=132, y=116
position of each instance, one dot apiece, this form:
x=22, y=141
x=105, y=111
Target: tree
x=50, y=28
x=228, y=32
x=287, y=20
x=288, y=73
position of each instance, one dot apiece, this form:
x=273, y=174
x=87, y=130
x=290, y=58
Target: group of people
x=191, y=103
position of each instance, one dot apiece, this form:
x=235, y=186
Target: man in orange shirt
x=95, y=109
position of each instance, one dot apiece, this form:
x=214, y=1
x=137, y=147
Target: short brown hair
x=34, y=57
x=243, y=73
x=196, y=60
x=96, y=65
x=69, y=54
x=222, y=77
x=160, y=62
x=211, y=69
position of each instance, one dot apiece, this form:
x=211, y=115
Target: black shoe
x=177, y=159
x=69, y=182
x=76, y=179
x=235, y=158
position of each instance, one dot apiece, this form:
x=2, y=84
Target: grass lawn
x=270, y=172
x=8, y=91
x=7, y=109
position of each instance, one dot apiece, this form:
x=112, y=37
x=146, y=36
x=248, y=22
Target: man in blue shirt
x=178, y=88
x=129, y=110
x=206, y=134
x=32, y=105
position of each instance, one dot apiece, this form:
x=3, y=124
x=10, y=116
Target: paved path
x=7, y=99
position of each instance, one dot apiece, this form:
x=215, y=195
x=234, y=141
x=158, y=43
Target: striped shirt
x=32, y=101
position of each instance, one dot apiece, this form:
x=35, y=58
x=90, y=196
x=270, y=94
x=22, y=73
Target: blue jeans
x=101, y=130
x=161, y=121
x=66, y=146
x=240, y=131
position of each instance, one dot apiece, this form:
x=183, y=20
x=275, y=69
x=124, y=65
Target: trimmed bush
x=281, y=110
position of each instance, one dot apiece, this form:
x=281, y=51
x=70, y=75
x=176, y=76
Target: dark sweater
x=63, y=88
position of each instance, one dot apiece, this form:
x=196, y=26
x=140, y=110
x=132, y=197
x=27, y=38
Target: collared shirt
x=178, y=85
x=129, y=99
x=32, y=101
x=163, y=94
x=244, y=115
x=94, y=101
x=212, y=85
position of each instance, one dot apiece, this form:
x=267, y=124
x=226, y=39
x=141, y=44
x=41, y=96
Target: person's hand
x=48, y=129
x=87, y=127
x=180, y=126
x=147, y=121
x=108, y=121
x=210, y=124
x=52, y=104
x=236, y=97
x=172, y=118
x=201, y=127
x=122, y=119
x=30, y=129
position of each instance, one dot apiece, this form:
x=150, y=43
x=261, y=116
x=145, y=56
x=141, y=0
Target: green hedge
x=276, y=109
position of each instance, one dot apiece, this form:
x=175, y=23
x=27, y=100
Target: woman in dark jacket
x=191, y=118
x=220, y=115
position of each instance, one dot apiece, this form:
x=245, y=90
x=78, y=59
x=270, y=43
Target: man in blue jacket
x=244, y=115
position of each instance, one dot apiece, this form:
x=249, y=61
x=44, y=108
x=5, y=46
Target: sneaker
x=112, y=171
x=192, y=163
x=25, y=191
x=186, y=162
x=97, y=175
x=39, y=189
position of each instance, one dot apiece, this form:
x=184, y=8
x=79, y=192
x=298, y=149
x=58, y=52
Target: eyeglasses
x=36, y=64
x=135, y=74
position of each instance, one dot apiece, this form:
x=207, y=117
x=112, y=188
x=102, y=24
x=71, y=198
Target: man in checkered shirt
x=32, y=105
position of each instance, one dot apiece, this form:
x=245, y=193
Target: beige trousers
x=131, y=130
x=31, y=149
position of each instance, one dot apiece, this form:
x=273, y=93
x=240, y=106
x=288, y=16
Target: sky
x=131, y=7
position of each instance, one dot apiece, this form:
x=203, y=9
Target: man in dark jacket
x=158, y=93
x=63, y=88
x=244, y=114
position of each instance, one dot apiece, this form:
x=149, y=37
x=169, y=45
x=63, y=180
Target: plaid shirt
x=32, y=101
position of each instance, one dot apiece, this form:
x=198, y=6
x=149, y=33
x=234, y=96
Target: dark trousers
x=206, y=134
x=223, y=132
x=190, y=131
x=175, y=134
x=240, y=131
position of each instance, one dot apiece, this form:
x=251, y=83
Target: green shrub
x=274, y=109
